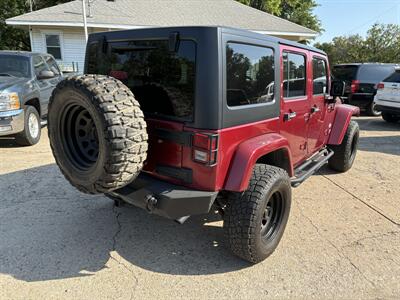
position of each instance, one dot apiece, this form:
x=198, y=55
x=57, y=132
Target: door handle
x=315, y=109
x=289, y=116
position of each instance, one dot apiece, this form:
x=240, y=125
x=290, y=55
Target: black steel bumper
x=388, y=109
x=165, y=199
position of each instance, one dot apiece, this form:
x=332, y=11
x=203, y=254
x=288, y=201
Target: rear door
x=318, y=110
x=295, y=102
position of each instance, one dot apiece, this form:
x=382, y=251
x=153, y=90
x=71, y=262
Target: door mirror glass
x=45, y=74
x=337, y=88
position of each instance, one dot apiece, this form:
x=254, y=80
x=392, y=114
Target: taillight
x=205, y=148
x=355, y=85
x=380, y=86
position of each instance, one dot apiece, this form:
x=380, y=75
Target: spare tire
x=97, y=133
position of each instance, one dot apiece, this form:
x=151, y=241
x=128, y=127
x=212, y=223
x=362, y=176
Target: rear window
x=374, y=73
x=163, y=81
x=345, y=73
x=395, y=77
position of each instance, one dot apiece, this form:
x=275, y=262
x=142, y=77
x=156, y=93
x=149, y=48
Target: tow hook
x=151, y=203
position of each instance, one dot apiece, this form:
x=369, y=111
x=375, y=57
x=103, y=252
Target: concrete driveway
x=342, y=239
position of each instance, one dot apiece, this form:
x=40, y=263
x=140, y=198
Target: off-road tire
x=244, y=214
x=371, y=110
x=390, y=118
x=112, y=123
x=345, y=153
x=25, y=137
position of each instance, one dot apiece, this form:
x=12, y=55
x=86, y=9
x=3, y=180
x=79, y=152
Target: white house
x=59, y=29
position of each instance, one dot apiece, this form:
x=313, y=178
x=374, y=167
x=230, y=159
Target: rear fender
x=246, y=156
x=343, y=116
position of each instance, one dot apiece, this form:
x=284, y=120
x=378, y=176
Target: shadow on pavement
x=376, y=124
x=381, y=144
x=48, y=230
x=8, y=143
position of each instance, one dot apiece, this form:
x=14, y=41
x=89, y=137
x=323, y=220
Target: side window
x=52, y=65
x=250, y=74
x=319, y=76
x=53, y=45
x=39, y=65
x=294, y=75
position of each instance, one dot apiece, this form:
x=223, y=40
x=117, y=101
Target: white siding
x=73, y=44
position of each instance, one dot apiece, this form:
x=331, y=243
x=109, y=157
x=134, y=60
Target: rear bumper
x=165, y=199
x=11, y=122
x=388, y=109
x=362, y=100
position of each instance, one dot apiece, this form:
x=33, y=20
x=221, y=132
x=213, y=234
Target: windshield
x=345, y=73
x=162, y=81
x=14, y=66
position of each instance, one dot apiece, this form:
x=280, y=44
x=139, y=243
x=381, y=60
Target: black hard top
x=20, y=53
x=223, y=29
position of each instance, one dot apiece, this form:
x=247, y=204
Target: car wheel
x=254, y=221
x=97, y=133
x=390, y=118
x=32, y=128
x=371, y=110
x=345, y=153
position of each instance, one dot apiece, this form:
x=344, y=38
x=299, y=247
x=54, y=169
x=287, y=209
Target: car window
x=52, y=65
x=14, y=66
x=374, y=73
x=395, y=77
x=39, y=65
x=250, y=74
x=294, y=75
x=319, y=76
x=345, y=73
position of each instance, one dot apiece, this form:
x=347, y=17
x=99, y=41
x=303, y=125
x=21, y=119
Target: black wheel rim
x=79, y=137
x=271, y=219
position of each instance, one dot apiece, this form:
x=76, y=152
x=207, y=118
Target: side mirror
x=337, y=88
x=45, y=74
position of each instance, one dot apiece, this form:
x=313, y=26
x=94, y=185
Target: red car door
x=295, y=103
x=319, y=89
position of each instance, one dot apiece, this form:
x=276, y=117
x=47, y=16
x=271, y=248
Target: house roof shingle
x=131, y=13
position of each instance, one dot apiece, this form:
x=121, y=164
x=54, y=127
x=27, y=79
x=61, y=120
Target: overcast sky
x=344, y=17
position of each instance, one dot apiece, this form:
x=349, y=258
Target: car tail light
x=205, y=148
x=355, y=85
x=380, y=86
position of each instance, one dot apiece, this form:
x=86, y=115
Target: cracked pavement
x=342, y=239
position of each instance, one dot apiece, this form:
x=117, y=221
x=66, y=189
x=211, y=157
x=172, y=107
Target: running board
x=310, y=166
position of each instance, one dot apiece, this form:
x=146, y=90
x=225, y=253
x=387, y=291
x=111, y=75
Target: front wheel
x=345, y=153
x=32, y=128
x=254, y=221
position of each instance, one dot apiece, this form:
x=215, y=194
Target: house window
x=53, y=45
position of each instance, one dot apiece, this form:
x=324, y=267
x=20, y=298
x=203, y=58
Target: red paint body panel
x=248, y=153
x=342, y=119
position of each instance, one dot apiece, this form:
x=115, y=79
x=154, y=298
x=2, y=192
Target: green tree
x=296, y=11
x=12, y=38
x=380, y=45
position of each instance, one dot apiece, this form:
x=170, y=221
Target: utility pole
x=84, y=19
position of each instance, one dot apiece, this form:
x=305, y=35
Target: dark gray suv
x=26, y=83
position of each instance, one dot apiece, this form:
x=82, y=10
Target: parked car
x=184, y=125
x=388, y=97
x=26, y=83
x=361, y=83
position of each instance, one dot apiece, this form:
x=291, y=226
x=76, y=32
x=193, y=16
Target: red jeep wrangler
x=182, y=119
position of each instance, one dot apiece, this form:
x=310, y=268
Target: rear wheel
x=390, y=118
x=32, y=128
x=345, y=153
x=254, y=221
x=372, y=111
x=97, y=133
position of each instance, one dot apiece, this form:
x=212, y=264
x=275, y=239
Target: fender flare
x=342, y=120
x=246, y=156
